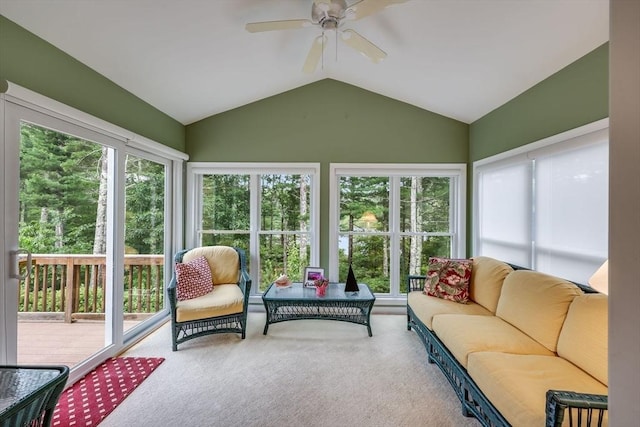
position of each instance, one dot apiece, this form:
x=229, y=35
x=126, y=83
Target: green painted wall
x=574, y=96
x=328, y=122
x=33, y=63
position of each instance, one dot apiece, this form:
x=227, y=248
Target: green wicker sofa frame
x=232, y=323
x=582, y=409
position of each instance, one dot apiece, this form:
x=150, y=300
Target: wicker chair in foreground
x=221, y=310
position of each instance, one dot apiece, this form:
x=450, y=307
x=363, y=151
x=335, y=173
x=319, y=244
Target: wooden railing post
x=69, y=291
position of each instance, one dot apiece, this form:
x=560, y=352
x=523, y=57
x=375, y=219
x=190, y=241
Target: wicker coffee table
x=297, y=302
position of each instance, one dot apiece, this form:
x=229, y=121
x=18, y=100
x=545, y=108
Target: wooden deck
x=59, y=343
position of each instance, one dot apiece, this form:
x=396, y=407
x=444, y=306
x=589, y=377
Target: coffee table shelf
x=297, y=303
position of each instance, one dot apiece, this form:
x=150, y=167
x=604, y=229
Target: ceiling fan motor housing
x=328, y=14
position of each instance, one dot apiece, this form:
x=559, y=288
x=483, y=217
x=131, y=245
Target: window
x=545, y=206
x=269, y=210
x=387, y=220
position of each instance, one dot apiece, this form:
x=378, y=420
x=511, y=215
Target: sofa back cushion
x=584, y=335
x=487, y=276
x=537, y=304
x=223, y=260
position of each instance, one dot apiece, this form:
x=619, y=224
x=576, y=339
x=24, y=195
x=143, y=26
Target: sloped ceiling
x=193, y=58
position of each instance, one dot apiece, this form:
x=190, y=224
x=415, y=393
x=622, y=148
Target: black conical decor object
x=352, y=283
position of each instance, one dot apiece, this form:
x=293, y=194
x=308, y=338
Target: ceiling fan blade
x=314, y=55
x=291, y=24
x=362, y=45
x=365, y=8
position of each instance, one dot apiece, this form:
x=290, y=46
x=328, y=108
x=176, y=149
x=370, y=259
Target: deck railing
x=72, y=287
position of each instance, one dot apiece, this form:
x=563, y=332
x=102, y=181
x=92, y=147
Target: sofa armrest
x=415, y=282
x=583, y=409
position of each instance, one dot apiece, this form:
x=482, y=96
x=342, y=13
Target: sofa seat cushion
x=465, y=334
x=537, y=304
x=224, y=299
x=517, y=384
x=425, y=307
x=487, y=276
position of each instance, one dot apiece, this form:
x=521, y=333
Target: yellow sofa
x=526, y=347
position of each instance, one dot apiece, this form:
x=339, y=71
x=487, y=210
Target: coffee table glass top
x=335, y=292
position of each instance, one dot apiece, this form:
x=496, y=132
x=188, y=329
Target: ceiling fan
x=329, y=15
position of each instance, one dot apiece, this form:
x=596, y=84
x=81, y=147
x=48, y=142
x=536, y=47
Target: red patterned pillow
x=449, y=279
x=193, y=279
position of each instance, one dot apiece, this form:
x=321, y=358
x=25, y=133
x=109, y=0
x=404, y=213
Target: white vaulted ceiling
x=194, y=58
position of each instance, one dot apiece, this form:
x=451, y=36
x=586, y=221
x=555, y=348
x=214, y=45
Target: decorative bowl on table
x=282, y=282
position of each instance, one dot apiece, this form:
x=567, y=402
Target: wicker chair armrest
x=415, y=282
x=583, y=409
x=244, y=282
x=171, y=289
x=171, y=293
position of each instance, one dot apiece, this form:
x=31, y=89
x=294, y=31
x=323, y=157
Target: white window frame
x=583, y=136
x=195, y=172
x=456, y=171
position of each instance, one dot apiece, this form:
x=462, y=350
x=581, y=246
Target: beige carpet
x=303, y=373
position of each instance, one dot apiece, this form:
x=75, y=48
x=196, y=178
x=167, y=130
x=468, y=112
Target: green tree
x=57, y=191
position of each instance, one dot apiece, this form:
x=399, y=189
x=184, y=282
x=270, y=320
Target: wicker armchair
x=224, y=310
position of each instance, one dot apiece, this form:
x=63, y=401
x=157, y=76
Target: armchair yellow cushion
x=224, y=299
x=223, y=261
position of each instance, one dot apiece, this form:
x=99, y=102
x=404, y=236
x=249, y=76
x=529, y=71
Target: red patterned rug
x=92, y=398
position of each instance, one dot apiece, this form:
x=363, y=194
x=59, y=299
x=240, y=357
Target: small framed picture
x=312, y=274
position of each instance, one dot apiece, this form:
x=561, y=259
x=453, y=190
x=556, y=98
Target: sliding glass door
x=58, y=202
x=88, y=240
x=62, y=222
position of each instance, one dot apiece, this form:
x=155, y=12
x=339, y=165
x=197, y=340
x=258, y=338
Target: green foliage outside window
x=62, y=210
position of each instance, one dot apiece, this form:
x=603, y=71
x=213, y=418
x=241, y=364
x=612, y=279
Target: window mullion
x=254, y=228
x=394, y=235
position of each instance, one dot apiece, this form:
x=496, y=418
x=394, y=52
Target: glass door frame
x=131, y=334
x=27, y=106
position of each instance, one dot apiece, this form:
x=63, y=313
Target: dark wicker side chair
x=224, y=310
x=32, y=393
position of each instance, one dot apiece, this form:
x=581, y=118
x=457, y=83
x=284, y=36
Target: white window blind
x=545, y=206
x=571, y=211
x=505, y=218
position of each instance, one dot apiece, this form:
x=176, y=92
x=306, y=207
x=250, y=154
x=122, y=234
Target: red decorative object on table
x=321, y=285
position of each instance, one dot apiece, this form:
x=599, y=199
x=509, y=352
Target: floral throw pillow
x=449, y=279
x=193, y=279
